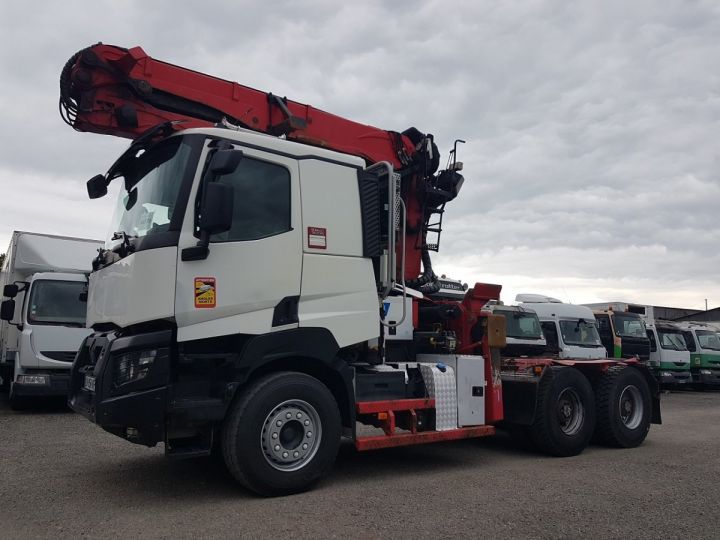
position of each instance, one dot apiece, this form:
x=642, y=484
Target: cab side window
x=551, y=336
x=604, y=325
x=261, y=201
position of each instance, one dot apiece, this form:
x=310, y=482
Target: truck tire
x=623, y=408
x=282, y=434
x=565, y=413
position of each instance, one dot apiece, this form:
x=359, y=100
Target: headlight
x=705, y=372
x=133, y=366
x=666, y=374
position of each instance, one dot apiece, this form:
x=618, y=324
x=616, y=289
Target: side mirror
x=10, y=291
x=225, y=161
x=7, y=310
x=216, y=214
x=217, y=207
x=97, y=186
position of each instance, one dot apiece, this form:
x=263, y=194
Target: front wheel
x=282, y=434
x=623, y=408
x=564, y=414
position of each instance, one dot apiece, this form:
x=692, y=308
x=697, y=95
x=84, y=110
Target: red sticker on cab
x=317, y=237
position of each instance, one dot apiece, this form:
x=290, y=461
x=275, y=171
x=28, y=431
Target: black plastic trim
x=371, y=212
x=316, y=343
x=286, y=312
x=196, y=385
x=161, y=338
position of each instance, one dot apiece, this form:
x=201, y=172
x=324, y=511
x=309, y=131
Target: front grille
x=62, y=356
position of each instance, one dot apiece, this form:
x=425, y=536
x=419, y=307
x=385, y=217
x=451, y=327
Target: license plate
x=89, y=383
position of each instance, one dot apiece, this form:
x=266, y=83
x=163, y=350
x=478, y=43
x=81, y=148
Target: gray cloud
x=591, y=155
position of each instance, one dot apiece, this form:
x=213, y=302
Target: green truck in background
x=703, y=343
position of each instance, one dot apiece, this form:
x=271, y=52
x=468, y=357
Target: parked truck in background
x=43, y=315
x=523, y=333
x=570, y=330
x=622, y=330
x=704, y=345
x=266, y=294
x=669, y=355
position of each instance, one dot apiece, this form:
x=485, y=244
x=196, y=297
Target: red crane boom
x=124, y=92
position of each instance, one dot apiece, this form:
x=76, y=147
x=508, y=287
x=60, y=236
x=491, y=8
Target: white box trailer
x=43, y=314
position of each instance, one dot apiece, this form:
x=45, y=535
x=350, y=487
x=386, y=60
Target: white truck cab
x=524, y=335
x=43, y=314
x=669, y=354
x=570, y=330
x=703, y=345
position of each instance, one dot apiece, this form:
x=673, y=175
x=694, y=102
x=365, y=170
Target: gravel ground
x=61, y=476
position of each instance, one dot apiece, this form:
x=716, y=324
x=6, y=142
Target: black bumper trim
x=711, y=379
x=59, y=386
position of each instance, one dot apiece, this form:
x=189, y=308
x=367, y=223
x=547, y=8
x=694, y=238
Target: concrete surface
x=61, y=476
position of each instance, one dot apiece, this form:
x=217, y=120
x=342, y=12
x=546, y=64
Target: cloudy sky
x=592, y=161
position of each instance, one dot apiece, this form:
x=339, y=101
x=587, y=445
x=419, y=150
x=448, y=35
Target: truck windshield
x=672, y=340
x=629, y=325
x=580, y=332
x=152, y=186
x=57, y=302
x=708, y=340
x=521, y=324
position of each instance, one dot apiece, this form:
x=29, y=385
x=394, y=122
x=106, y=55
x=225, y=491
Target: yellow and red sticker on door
x=205, y=292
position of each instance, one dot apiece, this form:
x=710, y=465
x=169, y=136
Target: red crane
x=124, y=92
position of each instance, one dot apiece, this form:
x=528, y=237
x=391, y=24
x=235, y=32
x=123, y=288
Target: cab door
x=250, y=281
x=606, y=334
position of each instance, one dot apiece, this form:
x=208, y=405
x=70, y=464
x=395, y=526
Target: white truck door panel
x=236, y=289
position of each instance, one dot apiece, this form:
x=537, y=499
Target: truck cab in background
x=623, y=334
x=523, y=333
x=669, y=356
x=703, y=345
x=570, y=330
x=43, y=313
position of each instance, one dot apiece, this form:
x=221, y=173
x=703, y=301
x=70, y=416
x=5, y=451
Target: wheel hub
x=631, y=407
x=570, y=411
x=291, y=435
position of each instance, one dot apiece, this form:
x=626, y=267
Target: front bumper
x=706, y=377
x=134, y=411
x=57, y=384
x=675, y=378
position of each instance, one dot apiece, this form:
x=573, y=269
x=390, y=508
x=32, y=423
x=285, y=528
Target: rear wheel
x=282, y=434
x=565, y=413
x=623, y=408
